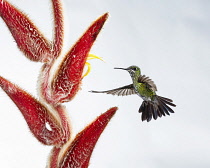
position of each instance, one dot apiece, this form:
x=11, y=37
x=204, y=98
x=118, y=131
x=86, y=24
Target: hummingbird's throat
x=134, y=78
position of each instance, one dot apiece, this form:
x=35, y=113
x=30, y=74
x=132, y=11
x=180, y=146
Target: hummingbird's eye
x=134, y=68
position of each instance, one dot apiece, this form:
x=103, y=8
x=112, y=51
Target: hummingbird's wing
x=121, y=91
x=145, y=79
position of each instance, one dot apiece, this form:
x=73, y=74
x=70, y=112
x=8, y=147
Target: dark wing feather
x=157, y=108
x=145, y=79
x=121, y=91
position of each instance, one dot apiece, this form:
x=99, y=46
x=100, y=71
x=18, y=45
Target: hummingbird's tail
x=156, y=108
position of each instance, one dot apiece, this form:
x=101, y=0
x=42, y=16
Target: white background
x=168, y=40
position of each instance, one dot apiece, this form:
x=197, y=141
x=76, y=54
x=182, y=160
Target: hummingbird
x=153, y=106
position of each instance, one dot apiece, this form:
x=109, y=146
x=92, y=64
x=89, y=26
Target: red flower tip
x=79, y=152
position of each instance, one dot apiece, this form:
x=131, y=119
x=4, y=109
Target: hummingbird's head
x=133, y=70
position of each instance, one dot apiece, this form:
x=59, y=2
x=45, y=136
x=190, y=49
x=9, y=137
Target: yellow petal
x=88, y=69
x=92, y=56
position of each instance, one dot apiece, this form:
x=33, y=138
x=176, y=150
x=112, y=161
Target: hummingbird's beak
x=122, y=68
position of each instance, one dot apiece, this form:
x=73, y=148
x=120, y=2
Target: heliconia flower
x=58, y=82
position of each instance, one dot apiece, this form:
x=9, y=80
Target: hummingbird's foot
x=90, y=56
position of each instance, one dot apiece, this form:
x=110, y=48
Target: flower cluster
x=58, y=83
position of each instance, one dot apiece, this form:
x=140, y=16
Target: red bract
x=36, y=115
x=47, y=117
x=75, y=155
x=27, y=36
x=65, y=84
